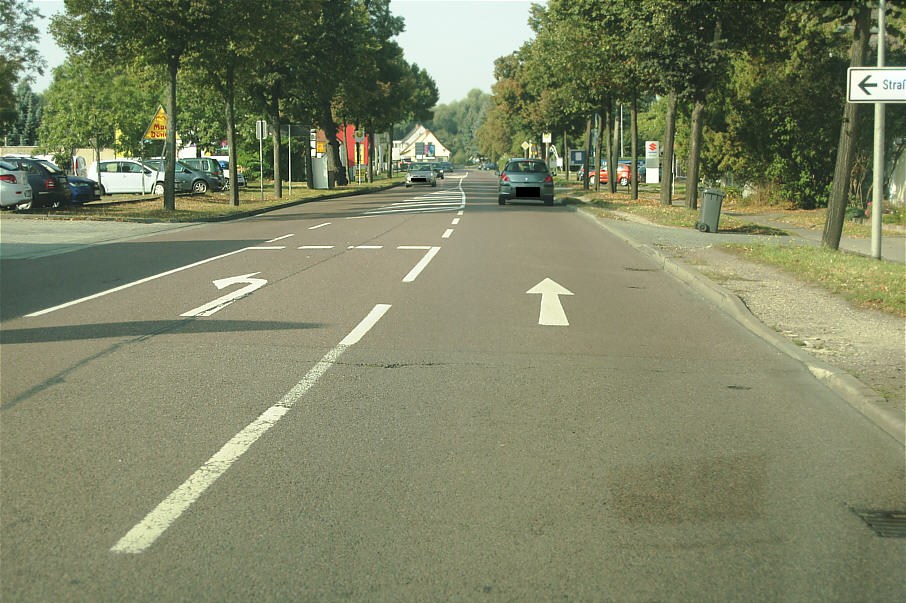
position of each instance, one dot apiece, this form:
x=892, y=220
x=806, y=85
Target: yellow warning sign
x=158, y=128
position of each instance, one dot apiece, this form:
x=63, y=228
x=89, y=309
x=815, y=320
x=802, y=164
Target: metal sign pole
x=877, y=196
x=289, y=158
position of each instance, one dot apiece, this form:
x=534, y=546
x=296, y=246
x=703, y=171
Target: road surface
x=417, y=395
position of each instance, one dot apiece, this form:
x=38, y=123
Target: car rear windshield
x=528, y=167
x=8, y=166
x=52, y=167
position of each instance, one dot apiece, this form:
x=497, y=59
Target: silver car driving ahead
x=525, y=179
x=421, y=173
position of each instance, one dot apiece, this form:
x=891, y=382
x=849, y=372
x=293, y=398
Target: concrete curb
x=856, y=393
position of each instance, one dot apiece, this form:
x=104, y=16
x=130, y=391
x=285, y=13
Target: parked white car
x=224, y=162
x=14, y=188
x=126, y=176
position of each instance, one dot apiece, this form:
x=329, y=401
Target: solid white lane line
x=316, y=247
x=133, y=283
x=447, y=233
x=280, y=238
x=319, y=226
x=422, y=263
x=149, y=529
x=455, y=221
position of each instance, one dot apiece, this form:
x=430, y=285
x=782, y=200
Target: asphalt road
x=386, y=413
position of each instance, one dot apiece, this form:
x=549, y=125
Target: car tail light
x=8, y=178
x=504, y=178
x=49, y=184
x=549, y=178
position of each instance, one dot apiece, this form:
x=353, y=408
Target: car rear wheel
x=199, y=186
x=501, y=200
x=624, y=181
x=24, y=206
x=158, y=188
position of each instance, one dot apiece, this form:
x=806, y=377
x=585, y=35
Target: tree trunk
x=597, y=163
x=846, y=149
x=390, y=152
x=634, y=132
x=334, y=164
x=667, y=166
x=565, y=156
x=170, y=154
x=370, y=155
x=231, y=131
x=613, y=157
x=309, y=168
x=695, y=144
x=587, y=154
x=274, y=114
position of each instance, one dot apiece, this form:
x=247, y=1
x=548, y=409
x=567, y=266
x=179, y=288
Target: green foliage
x=22, y=128
x=18, y=54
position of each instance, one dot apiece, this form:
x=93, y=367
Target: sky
x=455, y=40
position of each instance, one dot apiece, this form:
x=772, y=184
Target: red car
x=624, y=175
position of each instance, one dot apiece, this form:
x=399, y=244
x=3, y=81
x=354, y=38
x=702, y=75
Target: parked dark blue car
x=83, y=189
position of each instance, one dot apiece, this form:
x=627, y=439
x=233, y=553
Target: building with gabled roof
x=405, y=149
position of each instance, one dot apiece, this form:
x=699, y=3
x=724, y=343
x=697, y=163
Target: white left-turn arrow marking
x=552, y=313
x=222, y=302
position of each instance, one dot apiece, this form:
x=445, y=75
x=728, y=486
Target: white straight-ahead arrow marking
x=222, y=302
x=552, y=313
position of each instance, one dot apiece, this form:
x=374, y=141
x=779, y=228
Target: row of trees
x=226, y=62
x=756, y=87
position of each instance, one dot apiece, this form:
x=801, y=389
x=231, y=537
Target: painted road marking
x=316, y=247
x=365, y=247
x=149, y=529
x=320, y=226
x=222, y=302
x=552, y=313
x=422, y=263
x=280, y=238
x=266, y=247
x=455, y=221
x=133, y=284
x=439, y=201
x=447, y=233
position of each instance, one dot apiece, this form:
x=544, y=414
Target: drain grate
x=888, y=524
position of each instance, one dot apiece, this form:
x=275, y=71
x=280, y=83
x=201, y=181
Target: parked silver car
x=525, y=179
x=15, y=191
